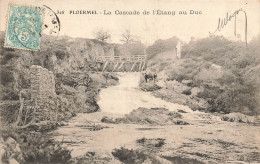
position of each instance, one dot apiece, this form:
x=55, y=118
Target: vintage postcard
x=129, y=81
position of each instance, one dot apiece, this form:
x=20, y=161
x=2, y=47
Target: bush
x=38, y=150
x=35, y=147
x=6, y=76
x=8, y=56
x=160, y=143
x=11, y=95
x=155, y=142
x=60, y=54
x=129, y=156
x=9, y=111
x=242, y=98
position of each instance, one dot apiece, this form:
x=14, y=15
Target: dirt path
x=206, y=139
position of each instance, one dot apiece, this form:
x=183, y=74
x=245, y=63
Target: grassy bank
x=218, y=73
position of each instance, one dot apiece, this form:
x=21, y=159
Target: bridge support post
x=105, y=66
x=120, y=66
x=143, y=67
x=116, y=63
x=140, y=66
x=133, y=66
x=115, y=66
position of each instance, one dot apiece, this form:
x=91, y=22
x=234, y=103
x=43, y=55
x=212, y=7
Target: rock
x=108, y=120
x=2, y=148
x=63, y=123
x=186, y=82
x=181, y=111
x=238, y=117
x=11, y=151
x=149, y=86
x=147, y=161
x=186, y=92
x=11, y=143
x=181, y=122
x=195, y=91
x=17, y=148
x=13, y=161
x=175, y=114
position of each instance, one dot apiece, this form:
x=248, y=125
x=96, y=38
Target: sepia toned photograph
x=129, y=82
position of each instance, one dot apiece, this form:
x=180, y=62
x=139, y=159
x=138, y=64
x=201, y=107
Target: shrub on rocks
x=153, y=116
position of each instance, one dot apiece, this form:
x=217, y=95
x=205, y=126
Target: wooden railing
x=136, y=58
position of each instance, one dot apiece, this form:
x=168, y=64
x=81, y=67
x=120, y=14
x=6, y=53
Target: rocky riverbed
x=143, y=138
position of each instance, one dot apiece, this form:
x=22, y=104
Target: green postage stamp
x=24, y=27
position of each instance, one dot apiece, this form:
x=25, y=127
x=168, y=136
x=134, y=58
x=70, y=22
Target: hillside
x=224, y=73
x=77, y=86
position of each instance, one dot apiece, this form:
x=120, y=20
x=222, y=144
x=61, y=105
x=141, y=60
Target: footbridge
x=135, y=63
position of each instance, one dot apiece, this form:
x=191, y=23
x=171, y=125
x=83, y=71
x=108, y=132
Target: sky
x=149, y=28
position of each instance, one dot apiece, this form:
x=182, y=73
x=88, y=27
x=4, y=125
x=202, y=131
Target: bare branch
x=20, y=109
x=16, y=124
x=102, y=35
x=127, y=37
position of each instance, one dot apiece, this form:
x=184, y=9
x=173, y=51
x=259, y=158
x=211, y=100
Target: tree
x=127, y=37
x=102, y=35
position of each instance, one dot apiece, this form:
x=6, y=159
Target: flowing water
x=126, y=96
x=221, y=141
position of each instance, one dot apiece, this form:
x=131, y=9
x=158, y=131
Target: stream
x=126, y=96
x=221, y=141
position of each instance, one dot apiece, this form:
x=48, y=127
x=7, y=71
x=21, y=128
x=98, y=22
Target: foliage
x=6, y=76
x=36, y=148
x=129, y=156
x=157, y=142
x=160, y=143
x=8, y=94
x=238, y=90
x=237, y=98
x=8, y=55
x=161, y=46
x=227, y=72
x=8, y=111
x=60, y=54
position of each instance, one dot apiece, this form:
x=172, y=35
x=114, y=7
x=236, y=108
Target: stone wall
x=43, y=92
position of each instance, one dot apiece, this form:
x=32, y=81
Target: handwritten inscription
x=223, y=22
